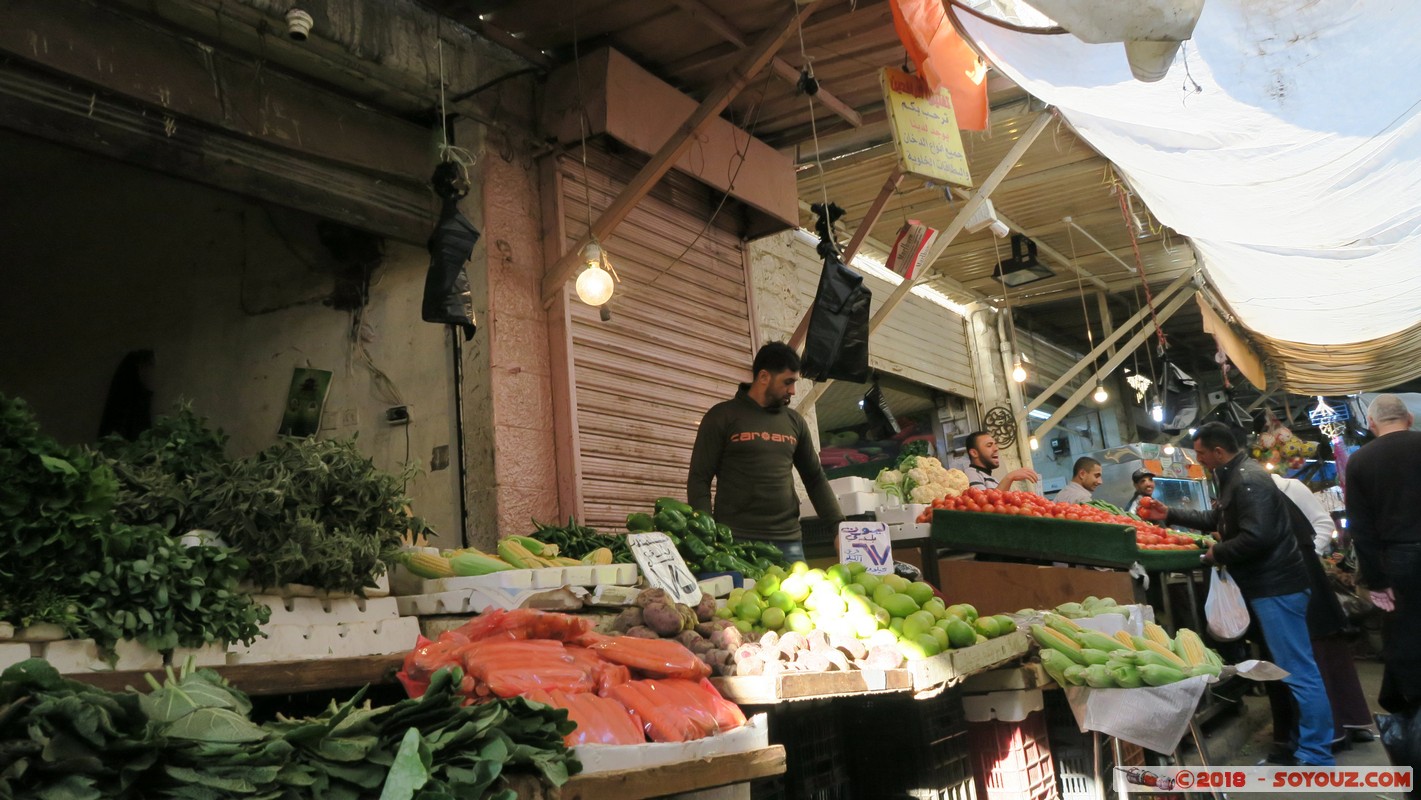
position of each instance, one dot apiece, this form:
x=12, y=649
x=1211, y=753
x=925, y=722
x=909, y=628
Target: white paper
x=1153, y=717
x=663, y=567
x=867, y=543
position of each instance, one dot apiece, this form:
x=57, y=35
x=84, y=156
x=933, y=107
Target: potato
x=728, y=638
x=628, y=619
x=705, y=610
x=662, y=618
x=643, y=632
x=649, y=596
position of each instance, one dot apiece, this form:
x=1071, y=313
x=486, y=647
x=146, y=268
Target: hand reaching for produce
x=1384, y=600
x=1152, y=510
x=1024, y=474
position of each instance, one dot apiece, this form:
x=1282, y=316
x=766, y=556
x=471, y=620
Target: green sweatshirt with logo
x=749, y=450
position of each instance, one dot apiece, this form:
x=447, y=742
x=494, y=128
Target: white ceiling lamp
x=1157, y=412
x=985, y=217
x=1035, y=443
x=595, y=284
x=1018, y=368
x=1151, y=29
x=1100, y=395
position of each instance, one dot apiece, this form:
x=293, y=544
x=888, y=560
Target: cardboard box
x=1003, y=588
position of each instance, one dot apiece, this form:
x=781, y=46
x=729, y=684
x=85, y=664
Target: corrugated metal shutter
x=920, y=340
x=679, y=340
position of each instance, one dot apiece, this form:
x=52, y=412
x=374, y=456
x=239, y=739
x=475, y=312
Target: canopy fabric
x=1285, y=141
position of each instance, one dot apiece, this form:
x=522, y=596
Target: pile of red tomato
x=1025, y=504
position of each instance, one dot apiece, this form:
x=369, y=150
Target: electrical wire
x=1140, y=265
x=1090, y=335
x=814, y=134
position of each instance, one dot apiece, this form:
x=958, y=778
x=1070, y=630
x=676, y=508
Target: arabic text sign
x=867, y=543
x=924, y=129
x=663, y=567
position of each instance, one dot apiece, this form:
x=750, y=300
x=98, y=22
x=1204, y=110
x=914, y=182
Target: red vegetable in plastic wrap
x=510, y=667
x=599, y=719
x=524, y=623
x=678, y=710
x=604, y=672
x=657, y=658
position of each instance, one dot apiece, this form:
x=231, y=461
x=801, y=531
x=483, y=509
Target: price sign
x=663, y=567
x=867, y=543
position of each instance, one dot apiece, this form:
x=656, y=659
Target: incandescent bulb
x=1018, y=372
x=1157, y=413
x=1035, y=445
x=1169, y=449
x=594, y=285
x=1270, y=466
x=1100, y=394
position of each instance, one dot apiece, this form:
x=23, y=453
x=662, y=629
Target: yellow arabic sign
x=924, y=129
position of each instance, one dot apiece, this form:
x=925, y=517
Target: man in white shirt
x=983, y=457
x=1144, y=481
x=1303, y=498
x=1084, y=481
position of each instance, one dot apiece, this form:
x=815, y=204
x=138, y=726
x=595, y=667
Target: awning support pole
x=1018, y=149
x=1110, y=364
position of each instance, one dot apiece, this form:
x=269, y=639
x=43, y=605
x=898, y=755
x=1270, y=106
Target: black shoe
x=1341, y=744
x=1278, y=759
x=1363, y=735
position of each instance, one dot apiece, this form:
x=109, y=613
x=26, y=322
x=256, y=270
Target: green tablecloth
x=1073, y=542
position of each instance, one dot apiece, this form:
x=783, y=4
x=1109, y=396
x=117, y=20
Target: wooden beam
x=870, y=218
x=709, y=109
x=1109, y=365
x=1107, y=326
x=508, y=41
x=1018, y=149
x=723, y=28
x=1071, y=222
x=1089, y=358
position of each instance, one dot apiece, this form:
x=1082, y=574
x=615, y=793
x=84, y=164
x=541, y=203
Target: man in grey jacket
x=1258, y=546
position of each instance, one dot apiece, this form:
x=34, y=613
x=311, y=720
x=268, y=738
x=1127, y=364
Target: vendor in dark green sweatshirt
x=748, y=445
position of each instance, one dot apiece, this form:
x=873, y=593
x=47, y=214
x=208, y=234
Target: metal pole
x=458, y=350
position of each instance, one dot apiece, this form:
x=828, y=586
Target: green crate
x=1048, y=539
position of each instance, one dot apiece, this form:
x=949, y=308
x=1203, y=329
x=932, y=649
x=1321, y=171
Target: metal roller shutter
x=678, y=342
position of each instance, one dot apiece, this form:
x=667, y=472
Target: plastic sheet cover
x=1285, y=141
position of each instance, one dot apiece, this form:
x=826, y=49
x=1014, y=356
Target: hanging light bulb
x=1035, y=445
x=1270, y=466
x=594, y=285
x=1157, y=412
x=1018, y=371
x=1169, y=449
x=1100, y=394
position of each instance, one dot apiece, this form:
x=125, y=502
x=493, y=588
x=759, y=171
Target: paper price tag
x=663, y=567
x=867, y=543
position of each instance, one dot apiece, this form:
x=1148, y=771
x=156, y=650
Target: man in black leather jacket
x=1258, y=547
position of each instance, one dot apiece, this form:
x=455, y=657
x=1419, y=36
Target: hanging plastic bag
x=1225, y=609
x=1401, y=737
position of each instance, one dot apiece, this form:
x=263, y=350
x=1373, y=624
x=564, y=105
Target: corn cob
x=428, y=565
x=470, y=563
x=564, y=561
x=1125, y=639
x=1055, y=640
x=1155, y=633
x=600, y=557
x=516, y=553
x=1191, y=648
x=1141, y=643
x=1063, y=624
x=1096, y=640
x=1156, y=675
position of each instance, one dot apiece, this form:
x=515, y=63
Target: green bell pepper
x=672, y=504
x=671, y=521
x=640, y=523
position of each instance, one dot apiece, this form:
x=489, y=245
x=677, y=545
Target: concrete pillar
x=994, y=384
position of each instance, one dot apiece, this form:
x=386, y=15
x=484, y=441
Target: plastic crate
x=906, y=749
x=814, y=753
x=1012, y=760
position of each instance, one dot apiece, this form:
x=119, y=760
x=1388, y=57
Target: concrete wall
x=102, y=258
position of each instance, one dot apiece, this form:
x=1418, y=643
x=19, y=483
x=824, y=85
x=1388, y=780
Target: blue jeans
x=1284, y=620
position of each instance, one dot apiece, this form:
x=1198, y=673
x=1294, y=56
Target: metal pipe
x=1107, y=250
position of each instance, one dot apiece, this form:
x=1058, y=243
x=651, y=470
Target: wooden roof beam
x=508, y=41
x=755, y=59
x=722, y=27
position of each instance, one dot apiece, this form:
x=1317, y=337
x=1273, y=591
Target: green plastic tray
x=1048, y=539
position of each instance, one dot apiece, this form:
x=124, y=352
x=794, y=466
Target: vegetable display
x=579, y=541
x=875, y=621
x=654, y=615
x=66, y=559
x=921, y=479
x=706, y=546
x=558, y=659
x=1075, y=656
x=514, y=552
x=192, y=737
x=1148, y=536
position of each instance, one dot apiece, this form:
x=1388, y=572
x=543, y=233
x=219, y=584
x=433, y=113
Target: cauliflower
x=926, y=493
x=891, y=483
x=957, y=482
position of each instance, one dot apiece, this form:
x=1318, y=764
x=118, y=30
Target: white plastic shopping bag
x=1225, y=609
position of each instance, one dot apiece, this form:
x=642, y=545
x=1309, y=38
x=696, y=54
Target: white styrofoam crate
x=134, y=656
x=719, y=586
x=75, y=655
x=595, y=758
x=327, y=611
x=904, y=514
x=12, y=653
x=843, y=486
x=1008, y=706
x=900, y=532
x=211, y=655
x=477, y=601
x=856, y=503
x=522, y=579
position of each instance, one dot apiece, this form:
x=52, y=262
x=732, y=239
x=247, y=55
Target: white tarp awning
x=1294, y=166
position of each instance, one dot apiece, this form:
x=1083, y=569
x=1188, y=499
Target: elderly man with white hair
x=1383, y=486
